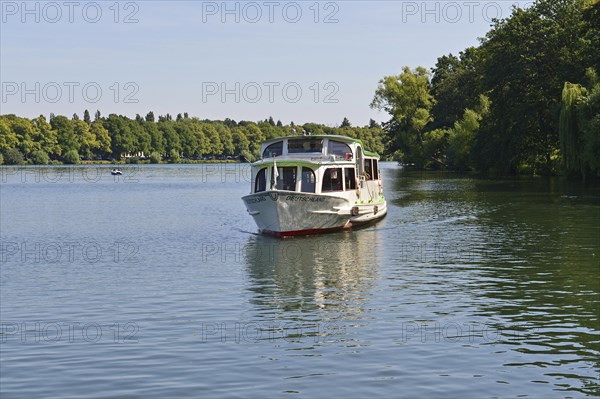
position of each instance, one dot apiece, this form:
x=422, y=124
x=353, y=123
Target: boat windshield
x=368, y=169
x=261, y=181
x=308, y=180
x=300, y=146
x=332, y=180
x=285, y=178
x=273, y=150
x=350, y=178
x=338, y=148
x=371, y=169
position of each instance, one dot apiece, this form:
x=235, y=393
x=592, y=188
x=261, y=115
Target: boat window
x=286, y=178
x=340, y=149
x=350, y=177
x=332, y=180
x=375, y=170
x=368, y=169
x=299, y=146
x=273, y=150
x=260, y=183
x=308, y=180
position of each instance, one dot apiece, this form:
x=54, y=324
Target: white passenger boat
x=313, y=184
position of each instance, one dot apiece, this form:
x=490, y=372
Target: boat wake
x=254, y=233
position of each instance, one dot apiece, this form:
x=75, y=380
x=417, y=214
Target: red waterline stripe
x=305, y=232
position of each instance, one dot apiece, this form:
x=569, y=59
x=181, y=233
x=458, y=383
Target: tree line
x=526, y=100
x=116, y=138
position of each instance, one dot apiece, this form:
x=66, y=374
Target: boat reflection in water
x=313, y=282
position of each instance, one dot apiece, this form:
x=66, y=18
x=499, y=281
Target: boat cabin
x=314, y=164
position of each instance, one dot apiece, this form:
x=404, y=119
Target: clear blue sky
x=302, y=61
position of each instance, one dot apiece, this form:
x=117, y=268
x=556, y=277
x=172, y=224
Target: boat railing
x=309, y=157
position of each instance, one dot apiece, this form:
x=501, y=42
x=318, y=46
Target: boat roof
x=325, y=136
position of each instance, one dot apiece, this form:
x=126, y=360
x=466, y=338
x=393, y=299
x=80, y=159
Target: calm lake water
x=155, y=284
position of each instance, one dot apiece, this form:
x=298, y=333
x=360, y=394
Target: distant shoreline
x=105, y=162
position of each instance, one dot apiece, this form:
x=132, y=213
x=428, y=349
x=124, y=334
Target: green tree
x=407, y=98
x=462, y=136
x=372, y=138
x=157, y=141
x=8, y=138
x=214, y=141
x=373, y=124
x=65, y=133
x=268, y=130
x=102, y=137
x=455, y=85
x=240, y=141
x=25, y=132
x=312, y=128
x=86, y=139
x=71, y=157
x=122, y=140
x=345, y=123
x=435, y=143
x=226, y=138
x=589, y=116
x=187, y=138
x=579, y=127
x=255, y=137
x=174, y=156
x=172, y=141
x=142, y=139
x=230, y=123
x=155, y=157
x=40, y=157
x=12, y=156
x=86, y=117
x=46, y=137
x=571, y=136
x=525, y=60
x=590, y=34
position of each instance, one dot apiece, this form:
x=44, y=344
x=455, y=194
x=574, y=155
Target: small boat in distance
x=312, y=184
x=116, y=172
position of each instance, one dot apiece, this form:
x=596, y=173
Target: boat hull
x=291, y=213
